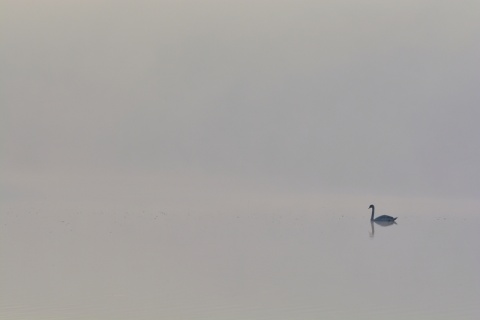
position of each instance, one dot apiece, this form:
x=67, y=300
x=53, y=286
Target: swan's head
x=371, y=206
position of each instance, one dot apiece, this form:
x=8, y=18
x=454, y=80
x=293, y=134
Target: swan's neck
x=373, y=211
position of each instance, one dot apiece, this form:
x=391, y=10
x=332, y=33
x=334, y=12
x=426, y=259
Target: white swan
x=383, y=218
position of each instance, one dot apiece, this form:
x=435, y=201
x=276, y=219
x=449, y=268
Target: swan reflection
x=380, y=223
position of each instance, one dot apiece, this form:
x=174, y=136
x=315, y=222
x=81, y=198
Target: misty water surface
x=239, y=264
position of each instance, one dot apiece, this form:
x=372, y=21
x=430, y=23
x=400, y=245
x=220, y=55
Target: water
x=249, y=261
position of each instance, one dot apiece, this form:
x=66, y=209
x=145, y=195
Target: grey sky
x=363, y=97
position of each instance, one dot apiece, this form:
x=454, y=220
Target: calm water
x=325, y=262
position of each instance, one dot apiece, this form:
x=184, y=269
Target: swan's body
x=383, y=218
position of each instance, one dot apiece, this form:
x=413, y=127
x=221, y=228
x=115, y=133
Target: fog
x=110, y=100
x=216, y=159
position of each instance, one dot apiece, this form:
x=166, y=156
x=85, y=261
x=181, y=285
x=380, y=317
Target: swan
x=383, y=218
